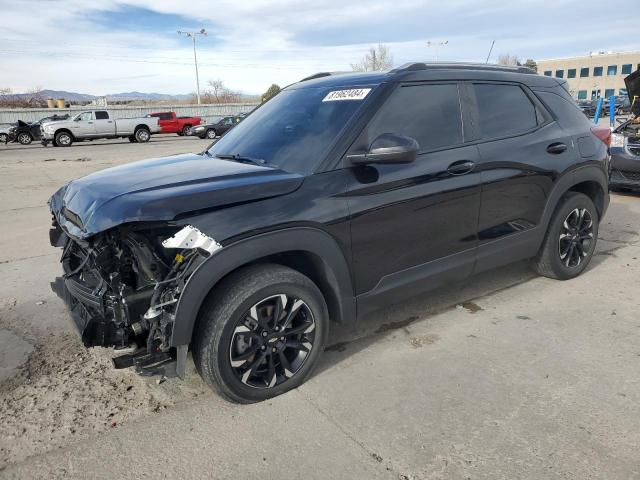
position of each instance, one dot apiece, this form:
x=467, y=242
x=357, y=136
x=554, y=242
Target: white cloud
x=62, y=44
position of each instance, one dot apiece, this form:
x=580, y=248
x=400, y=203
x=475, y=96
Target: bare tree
x=378, y=58
x=508, y=59
x=33, y=98
x=218, y=92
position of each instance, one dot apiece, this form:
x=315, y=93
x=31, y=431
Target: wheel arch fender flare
x=64, y=129
x=588, y=173
x=229, y=258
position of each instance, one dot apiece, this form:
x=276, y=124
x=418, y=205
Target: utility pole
x=193, y=36
x=437, y=45
x=490, y=50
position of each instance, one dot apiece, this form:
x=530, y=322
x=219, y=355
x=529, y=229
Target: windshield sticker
x=353, y=94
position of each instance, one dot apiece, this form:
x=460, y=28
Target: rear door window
x=428, y=113
x=102, y=115
x=504, y=110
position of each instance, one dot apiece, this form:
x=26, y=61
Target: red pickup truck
x=170, y=123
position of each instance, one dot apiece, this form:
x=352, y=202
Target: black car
x=625, y=143
x=25, y=133
x=213, y=130
x=341, y=195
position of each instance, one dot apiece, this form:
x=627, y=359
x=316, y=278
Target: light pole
x=437, y=45
x=193, y=36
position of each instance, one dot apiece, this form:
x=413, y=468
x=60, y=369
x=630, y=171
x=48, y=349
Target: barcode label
x=353, y=94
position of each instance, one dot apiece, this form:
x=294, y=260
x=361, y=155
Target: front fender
x=231, y=257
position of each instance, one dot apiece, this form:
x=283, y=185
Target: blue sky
x=123, y=45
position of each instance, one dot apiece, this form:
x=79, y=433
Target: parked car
x=625, y=143
x=25, y=133
x=171, y=123
x=588, y=108
x=213, y=130
x=341, y=195
x=95, y=124
x=622, y=106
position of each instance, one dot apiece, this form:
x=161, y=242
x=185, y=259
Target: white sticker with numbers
x=352, y=94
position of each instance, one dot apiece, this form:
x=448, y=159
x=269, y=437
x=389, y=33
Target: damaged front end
x=122, y=286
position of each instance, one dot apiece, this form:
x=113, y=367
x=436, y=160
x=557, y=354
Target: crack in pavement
x=370, y=452
x=11, y=260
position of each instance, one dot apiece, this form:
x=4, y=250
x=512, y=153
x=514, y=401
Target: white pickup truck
x=94, y=124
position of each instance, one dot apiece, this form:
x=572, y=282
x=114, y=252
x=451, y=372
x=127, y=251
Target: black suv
x=341, y=194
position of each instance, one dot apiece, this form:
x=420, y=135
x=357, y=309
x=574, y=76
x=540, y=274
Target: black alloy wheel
x=272, y=340
x=574, y=243
x=571, y=238
x=260, y=333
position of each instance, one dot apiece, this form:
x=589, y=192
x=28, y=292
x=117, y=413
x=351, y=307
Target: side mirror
x=388, y=149
x=77, y=119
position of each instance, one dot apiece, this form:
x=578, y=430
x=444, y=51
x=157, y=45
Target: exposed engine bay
x=122, y=287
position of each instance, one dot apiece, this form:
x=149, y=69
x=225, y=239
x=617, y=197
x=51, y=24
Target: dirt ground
x=57, y=396
x=53, y=390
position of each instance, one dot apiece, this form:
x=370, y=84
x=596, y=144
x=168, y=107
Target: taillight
x=603, y=133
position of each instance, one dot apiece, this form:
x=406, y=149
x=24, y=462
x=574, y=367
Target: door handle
x=109, y=121
x=90, y=123
x=461, y=167
x=556, y=148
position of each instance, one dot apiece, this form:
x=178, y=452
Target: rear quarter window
x=565, y=110
x=503, y=110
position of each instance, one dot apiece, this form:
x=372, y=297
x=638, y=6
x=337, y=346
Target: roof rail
x=413, y=66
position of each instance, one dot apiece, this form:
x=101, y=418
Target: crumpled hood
x=162, y=188
x=632, y=82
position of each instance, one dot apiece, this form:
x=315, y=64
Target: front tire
x=571, y=238
x=186, y=130
x=4, y=138
x=260, y=333
x=63, y=139
x=211, y=134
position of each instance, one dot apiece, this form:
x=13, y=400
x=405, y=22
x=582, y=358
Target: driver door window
x=86, y=116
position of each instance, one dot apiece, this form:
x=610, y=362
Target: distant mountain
x=85, y=97
x=68, y=96
x=147, y=96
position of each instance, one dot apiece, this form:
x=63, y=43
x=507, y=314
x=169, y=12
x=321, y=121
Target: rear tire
x=63, y=139
x=142, y=135
x=571, y=238
x=260, y=333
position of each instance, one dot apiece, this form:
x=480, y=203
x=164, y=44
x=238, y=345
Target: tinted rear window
x=504, y=110
x=428, y=113
x=100, y=115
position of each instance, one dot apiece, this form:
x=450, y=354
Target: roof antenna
x=490, y=50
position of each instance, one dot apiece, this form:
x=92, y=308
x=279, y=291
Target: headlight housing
x=198, y=129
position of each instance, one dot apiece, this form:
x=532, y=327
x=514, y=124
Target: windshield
x=292, y=131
